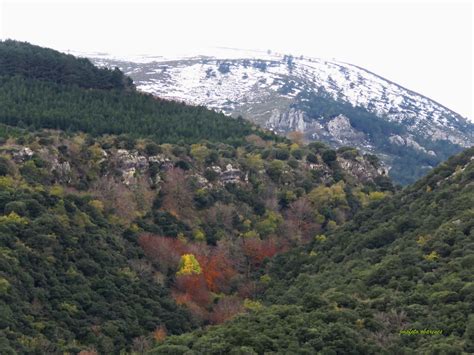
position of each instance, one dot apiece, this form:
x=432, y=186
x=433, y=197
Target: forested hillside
x=43, y=88
x=66, y=279
x=34, y=62
x=124, y=219
x=102, y=237
x=397, y=278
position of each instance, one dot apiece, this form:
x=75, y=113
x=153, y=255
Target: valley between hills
x=134, y=224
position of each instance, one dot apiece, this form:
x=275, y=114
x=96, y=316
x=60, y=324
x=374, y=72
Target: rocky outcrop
x=361, y=168
x=22, y=154
x=230, y=175
x=133, y=168
x=337, y=131
x=131, y=159
x=409, y=141
x=323, y=171
x=286, y=121
x=129, y=163
x=341, y=130
x=62, y=170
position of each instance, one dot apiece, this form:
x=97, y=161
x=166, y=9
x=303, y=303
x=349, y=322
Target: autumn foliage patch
x=210, y=281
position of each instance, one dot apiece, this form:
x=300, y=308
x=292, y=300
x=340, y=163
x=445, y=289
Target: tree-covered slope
x=65, y=276
x=37, y=104
x=42, y=88
x=397, y=278
x=136, y=207
x=101, y=237
x=35, y=62
x=139, y=206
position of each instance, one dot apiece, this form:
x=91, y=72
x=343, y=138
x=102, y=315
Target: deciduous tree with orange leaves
x=160, y=333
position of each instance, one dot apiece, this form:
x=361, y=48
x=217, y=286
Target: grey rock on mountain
x=328, y=100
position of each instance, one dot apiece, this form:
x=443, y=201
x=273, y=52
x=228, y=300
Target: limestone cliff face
x=287, y=121
x=338, y=129
x=409, y=141
x=341, y=131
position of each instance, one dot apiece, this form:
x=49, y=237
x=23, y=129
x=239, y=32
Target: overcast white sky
x=425, y=46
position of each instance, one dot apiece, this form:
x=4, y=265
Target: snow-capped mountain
x=327, y=100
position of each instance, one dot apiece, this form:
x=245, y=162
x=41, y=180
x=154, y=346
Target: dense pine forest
x=38, y=63
x=135, y=225
x=42, y=88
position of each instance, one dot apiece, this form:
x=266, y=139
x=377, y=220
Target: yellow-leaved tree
x=188, y=265
x=331, y=196
x=199, y=152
